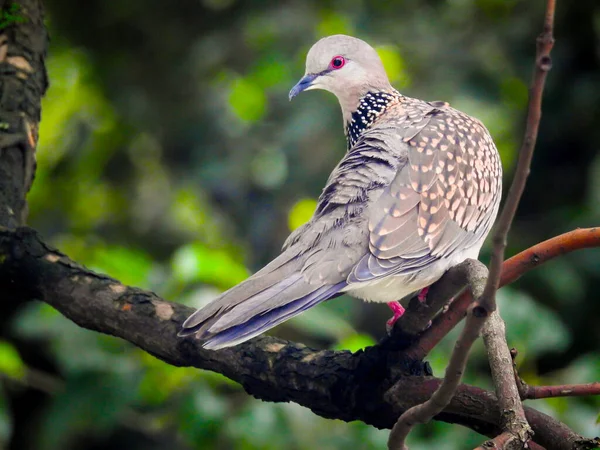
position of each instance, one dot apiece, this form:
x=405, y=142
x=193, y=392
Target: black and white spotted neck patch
x=370, y=107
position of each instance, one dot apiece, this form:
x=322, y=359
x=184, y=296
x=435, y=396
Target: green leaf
x=11, y=363
x=355, y=342
x=247, y=100
x=332, y=22
x=394, y=66
x=301, y=212
x=198, y=263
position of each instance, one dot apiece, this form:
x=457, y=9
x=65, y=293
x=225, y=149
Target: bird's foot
x=398, y=310
x=422, y=295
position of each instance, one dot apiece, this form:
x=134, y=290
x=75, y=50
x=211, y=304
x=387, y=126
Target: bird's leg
x=422, y=295
x=398, y=310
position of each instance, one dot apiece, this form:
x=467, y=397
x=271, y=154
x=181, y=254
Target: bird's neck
x=370, y=107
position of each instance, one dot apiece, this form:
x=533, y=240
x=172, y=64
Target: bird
x=415, y=194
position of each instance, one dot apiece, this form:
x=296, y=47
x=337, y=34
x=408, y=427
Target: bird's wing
x=442, y=200
x=276, y=293
x=315, y=262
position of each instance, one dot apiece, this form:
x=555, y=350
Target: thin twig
x=528, y=392
x=509, y=401
x=542, y=65
x=485, y=304
x=561, y=390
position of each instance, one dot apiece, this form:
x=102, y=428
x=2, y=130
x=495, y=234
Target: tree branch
x=517, y=430
x=514, y=421
x=333, y=384
x=440, y=399
x=553, y=436
x=23, y=82
x=512, y=270
x=528, y=392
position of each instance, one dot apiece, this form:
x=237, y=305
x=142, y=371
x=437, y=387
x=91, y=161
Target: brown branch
x=556, y=436
x=512, y=270
x=517, y=431
x=500, y=442
x=333, y=384
x=440, y=399
x=561, y=390
x=485, y=304
x=514, y=421
x=23, y=82
x=578, y=239
x=542, y=65
x=503, y=442
x=528, y=392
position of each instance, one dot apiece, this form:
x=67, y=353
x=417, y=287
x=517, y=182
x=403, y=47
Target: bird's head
x=345, y=66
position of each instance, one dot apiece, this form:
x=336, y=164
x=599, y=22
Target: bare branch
x=423, y=413
x=528, y=392
x=543, y=64
x=561, y=390
x=557, y=436
x=512, y=270
x=514, y=421
x=517, y=430
x=333, y=384
x=485, y=303
x=504, y=441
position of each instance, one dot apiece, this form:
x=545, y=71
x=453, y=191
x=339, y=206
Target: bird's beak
x=305, y=83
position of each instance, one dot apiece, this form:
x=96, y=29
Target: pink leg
x=422, y=296
x=398, y=310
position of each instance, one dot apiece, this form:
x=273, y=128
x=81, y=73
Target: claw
x=422, y=296
x=398, y=310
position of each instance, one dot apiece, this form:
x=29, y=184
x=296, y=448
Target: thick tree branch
x=23, y=82
x=334, y=384
x=555, y=436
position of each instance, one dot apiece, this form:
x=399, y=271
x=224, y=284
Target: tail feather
x=260, y=323
x=285, y=291
x=252, y=307
x=280, y=268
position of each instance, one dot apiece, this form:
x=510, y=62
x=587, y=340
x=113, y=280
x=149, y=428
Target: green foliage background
x=171, y=159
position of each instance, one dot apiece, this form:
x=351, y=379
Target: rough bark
x=23, y=82
x=333, y=384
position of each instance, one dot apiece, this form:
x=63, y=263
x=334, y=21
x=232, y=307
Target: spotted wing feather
x=443, y=200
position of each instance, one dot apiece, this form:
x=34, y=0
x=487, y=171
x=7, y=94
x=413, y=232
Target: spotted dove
x=416, y=193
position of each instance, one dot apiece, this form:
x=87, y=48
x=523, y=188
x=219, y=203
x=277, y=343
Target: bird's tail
x=256, y=305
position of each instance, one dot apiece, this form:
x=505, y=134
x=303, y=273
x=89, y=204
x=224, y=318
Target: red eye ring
x=337, y=62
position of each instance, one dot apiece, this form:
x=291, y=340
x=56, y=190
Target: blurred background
x=171, y=159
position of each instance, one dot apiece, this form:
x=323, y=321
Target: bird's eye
x=337, y=62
